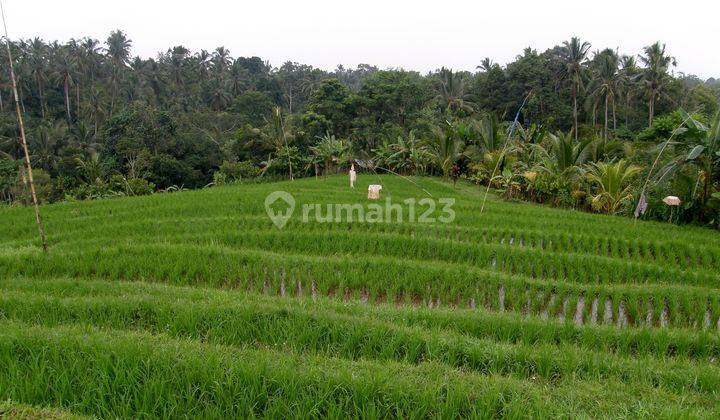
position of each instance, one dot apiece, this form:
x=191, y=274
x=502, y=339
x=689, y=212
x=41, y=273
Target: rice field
x=194, y=304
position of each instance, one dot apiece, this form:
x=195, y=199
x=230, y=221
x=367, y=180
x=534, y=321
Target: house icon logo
x=279, y=206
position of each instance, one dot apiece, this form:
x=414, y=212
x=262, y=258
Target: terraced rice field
x=195, y=304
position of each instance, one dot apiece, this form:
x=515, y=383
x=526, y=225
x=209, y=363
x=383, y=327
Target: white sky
x=415, y=35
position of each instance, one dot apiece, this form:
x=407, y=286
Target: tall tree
x=65, y=69
x=628, y=82
x=574, y=55
x=605, y=83
x=220, y=61
x=118, y=52
x=37, y=54
x=202, y=64
x=655, y=74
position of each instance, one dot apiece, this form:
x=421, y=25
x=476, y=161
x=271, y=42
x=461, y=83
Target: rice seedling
x=209, y=309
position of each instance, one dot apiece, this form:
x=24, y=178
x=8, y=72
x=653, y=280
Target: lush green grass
x=11, y=410
x=195, y=304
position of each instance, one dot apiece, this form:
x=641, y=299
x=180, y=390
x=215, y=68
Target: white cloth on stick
x=353, y=176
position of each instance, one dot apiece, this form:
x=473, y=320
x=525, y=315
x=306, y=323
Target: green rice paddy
x=194, y=304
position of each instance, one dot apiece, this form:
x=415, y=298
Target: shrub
x=139, y=186
x=235, y=171
x=663, y=127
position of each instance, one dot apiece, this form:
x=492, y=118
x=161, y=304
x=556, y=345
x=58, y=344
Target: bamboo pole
x=504, y=149
x=28, y=166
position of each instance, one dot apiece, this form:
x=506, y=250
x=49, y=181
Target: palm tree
x=606, y=82
x=486, y=64
x=202, y=64
x=177, y=61
x=238, y=78
x=220, y=95
x=490, y=134
x=149, y=73
x=574, y=55
x=65, y=68
x=91, y=57
x=613, y=184
x=37, y=52
x=220, y=61
x=444, y=149
x=485, y=143
x=655, y=76
x=45, y=143
x=91, y=169
x=84, y=139
x=95, y=105
x=118, y=51
x=563, y=155
x=451, y=91
x=75, y=52
x=628, y=78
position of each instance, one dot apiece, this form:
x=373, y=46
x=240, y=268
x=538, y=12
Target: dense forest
x=102, y=122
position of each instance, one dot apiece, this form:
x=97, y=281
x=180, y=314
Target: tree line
x=102, y=122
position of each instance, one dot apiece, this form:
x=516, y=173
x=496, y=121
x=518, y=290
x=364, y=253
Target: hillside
x=196, y=303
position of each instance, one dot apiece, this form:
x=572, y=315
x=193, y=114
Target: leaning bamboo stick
x=23, y=140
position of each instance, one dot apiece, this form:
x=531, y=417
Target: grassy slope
x=160, y=350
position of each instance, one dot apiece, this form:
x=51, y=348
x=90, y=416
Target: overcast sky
x=415, y=35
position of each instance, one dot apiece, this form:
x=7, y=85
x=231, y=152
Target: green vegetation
x=194, y=303
x=8, y=409
x=102, y=123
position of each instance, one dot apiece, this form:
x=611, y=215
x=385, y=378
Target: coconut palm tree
x=486, y=64
x=95, y=107
x=490, y=133
x=238, y=78
x=451, y=91
x=64, y=70
x=118, y=52
x=562, y=155
x=655, y=78
x=91, y=57
x=220, y=96
x=177, y=61
x=150, y=75
x=83, y=138
x=202, y=64
x=485, y=141
x=628, y=82
x=574, y=55
x=45, y=143
x=612, y=182
x=37, y=55
x=220, y=60
x=444, y=149
x=605, y=83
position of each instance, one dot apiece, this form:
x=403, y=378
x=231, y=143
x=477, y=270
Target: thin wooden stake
x=28, y=166
x=504, y=149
